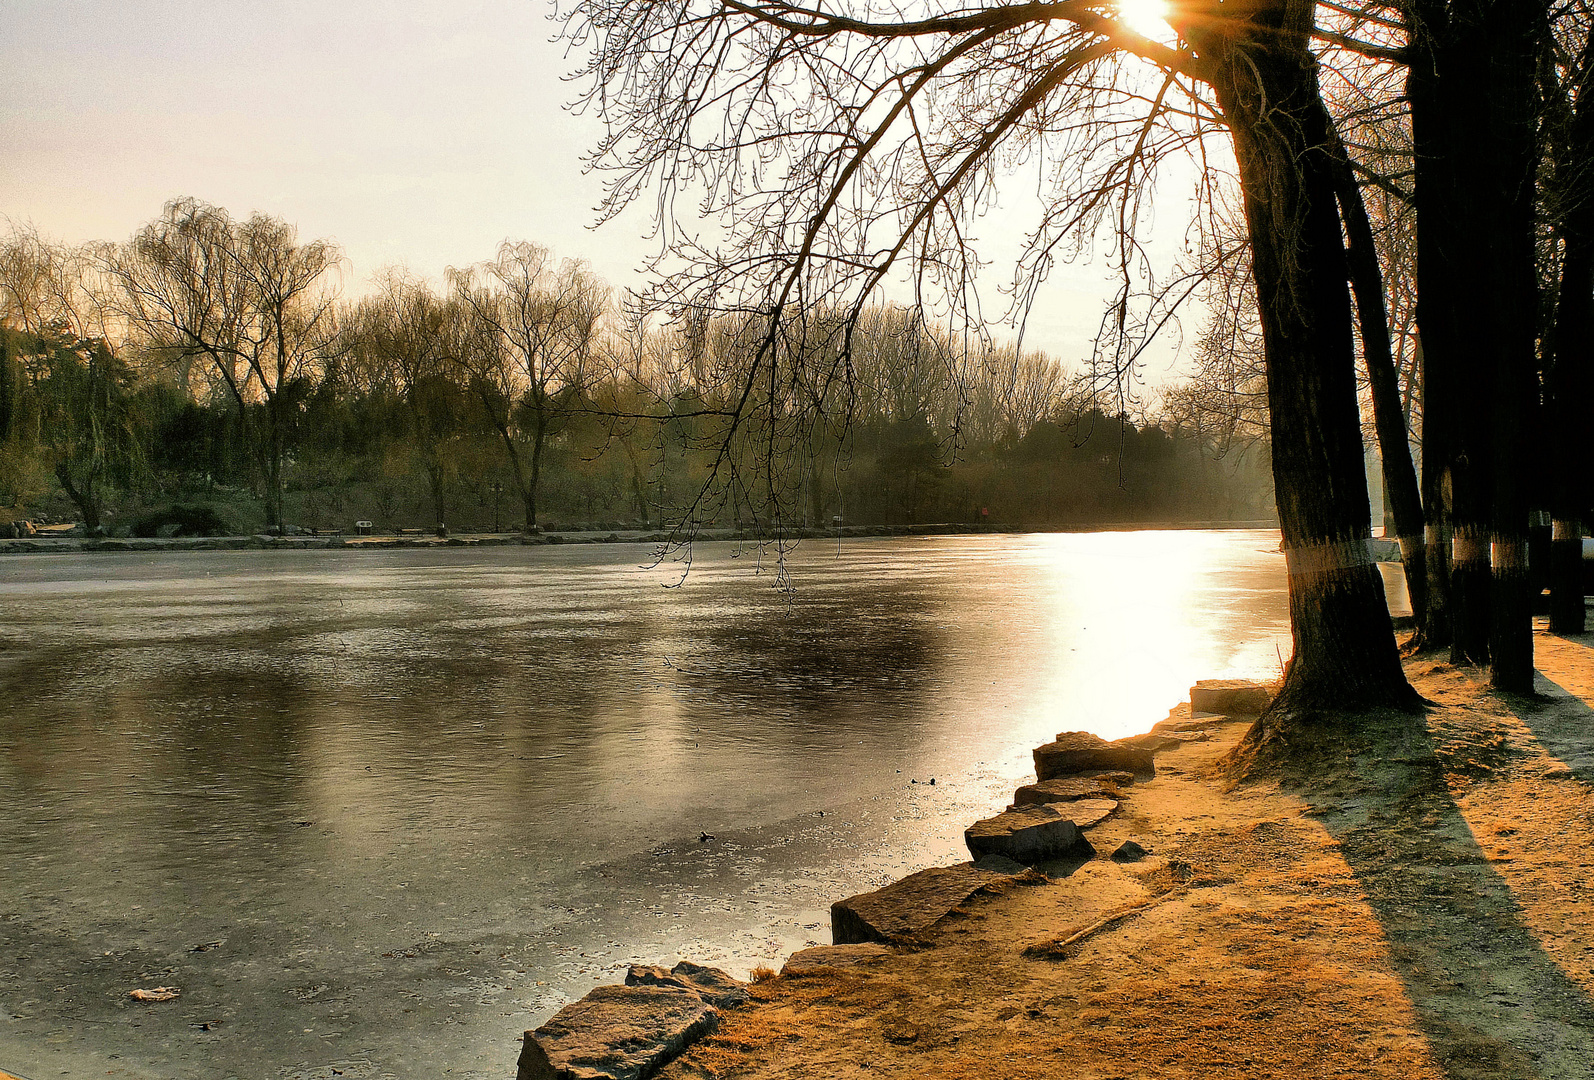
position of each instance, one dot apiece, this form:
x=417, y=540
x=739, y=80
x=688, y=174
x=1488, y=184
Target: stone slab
x=1084, y=813
x=908, y=907
x=710, y=984
x=1182, y=718
x=1088, y=813
x=1164, y=740
x=1078, y=753
x=1061, y=790
x=805, y=961
x=1228, y=696
x=616, y=1033
x=1026, y=834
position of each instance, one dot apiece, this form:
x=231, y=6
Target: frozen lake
x=381, y=811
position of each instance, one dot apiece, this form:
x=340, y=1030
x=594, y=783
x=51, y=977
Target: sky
x=413, y=132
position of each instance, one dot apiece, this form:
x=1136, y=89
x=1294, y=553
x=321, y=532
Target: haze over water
x=381, y=811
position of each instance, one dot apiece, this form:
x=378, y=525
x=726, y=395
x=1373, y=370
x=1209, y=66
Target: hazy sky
x=419, y=132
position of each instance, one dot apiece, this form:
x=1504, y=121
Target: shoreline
x=47, y=545
x=1412, y=901
x=1415, y=905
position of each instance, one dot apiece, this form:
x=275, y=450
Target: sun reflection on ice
x=1157, y=611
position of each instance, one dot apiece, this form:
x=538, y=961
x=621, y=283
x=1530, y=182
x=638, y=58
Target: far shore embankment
x=47, y=542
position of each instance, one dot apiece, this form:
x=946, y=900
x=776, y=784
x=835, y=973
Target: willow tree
x=57, y=304
x=243, y=298
x=840, y=150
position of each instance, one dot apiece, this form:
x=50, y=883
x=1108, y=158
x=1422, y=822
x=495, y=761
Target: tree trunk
x=1266, y=85
x=1568, y=613
x=274, y=455
x=539, y=436
x=1437, y=630
x=1569, y=379
x=1515, y=31
x=8, y=391
x=1447, y=88
x=434, y=482
x=83, y=498
x=498, y=412
x=1400, y=476
x=638, y=493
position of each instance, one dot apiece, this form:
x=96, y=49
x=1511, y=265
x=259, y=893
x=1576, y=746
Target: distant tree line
x=205, y=375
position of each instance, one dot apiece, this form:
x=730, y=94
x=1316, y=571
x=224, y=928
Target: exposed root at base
x=1295, y=740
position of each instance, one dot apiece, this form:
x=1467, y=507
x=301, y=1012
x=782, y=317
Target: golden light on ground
x=1149, y=18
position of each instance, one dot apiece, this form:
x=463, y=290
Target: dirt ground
x=1417, y=903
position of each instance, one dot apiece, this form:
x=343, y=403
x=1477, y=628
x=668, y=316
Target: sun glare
x=1146, y=17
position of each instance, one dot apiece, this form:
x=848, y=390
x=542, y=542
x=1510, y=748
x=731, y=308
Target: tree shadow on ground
x=1560, y=715
x=1418, y=809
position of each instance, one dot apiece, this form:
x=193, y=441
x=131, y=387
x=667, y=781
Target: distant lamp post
x=498, y=489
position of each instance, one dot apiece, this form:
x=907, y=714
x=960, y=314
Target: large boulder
x=907, y=908
x=1230, y=696
x=1025, y=834
x=1079, y=752
x=710, y=984
x=616, y=1033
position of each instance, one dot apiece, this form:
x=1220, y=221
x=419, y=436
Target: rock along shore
x=631, y=1032
x=1411, y=900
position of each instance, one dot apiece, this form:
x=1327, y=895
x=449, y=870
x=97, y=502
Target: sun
x=1146, y=17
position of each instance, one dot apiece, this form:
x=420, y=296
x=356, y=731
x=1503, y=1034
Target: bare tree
x=245, y=297
x=844, y=148
x=537, y=334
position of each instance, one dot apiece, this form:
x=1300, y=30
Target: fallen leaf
x=160, y=993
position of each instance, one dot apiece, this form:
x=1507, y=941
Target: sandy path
x=1419, y=904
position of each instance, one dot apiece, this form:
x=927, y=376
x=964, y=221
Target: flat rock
x=1242, y=696
x=912, y=905
x=1026, y=834
x=1084, y=813
x=1164, y=740
x=1088, y=813
x=1182, y=718
x=834, y=956
x=616, y=1033
x=710, y=984
x=1113, y=779
x=1061, y=790
x=1080, y=752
